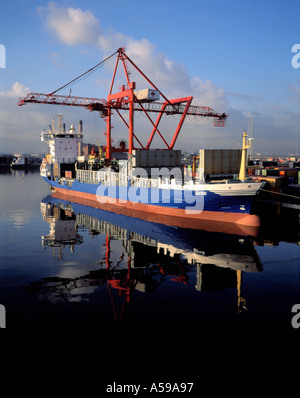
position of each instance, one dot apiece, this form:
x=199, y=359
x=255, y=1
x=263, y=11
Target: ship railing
x=173, y=183
x=87, y=176
x=108, y=177
x=141, y=182
x=123, y=173
x=123, y=180
x=124, y=169
x=96, y=177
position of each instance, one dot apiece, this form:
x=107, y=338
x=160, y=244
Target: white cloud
x=207, y=93
x=294, y=90
x=111, y=40
x=17, y=90
x=248, y=115
x=19, y=126
x=75, y=26
x=72, y=26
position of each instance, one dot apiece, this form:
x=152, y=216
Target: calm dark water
x=71, y=268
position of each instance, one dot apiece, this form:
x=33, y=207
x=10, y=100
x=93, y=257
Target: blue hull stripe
x=166, y=198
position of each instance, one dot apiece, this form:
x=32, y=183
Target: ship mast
x=246, y=145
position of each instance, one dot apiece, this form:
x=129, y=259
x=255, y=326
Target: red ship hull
x=236, y=223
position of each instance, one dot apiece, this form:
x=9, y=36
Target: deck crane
x=127, y=99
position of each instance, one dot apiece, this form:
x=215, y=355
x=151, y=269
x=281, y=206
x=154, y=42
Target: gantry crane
x=126, y=99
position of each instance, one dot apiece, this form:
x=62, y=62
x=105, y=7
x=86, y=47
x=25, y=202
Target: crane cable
x=85, y=73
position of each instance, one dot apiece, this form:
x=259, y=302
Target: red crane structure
x=127, y=99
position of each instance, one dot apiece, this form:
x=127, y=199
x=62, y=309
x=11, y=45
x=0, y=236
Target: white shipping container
x=220, y=161
x=156, y=158
x=147, y=94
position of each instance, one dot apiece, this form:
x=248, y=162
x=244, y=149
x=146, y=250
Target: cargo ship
x=149, y=182
x=133, y=178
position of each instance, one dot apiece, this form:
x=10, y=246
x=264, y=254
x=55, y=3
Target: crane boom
x=127, y=99
x=53, y=99
x=96, y=104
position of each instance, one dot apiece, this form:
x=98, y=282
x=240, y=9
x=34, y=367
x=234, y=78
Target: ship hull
x=238, y=212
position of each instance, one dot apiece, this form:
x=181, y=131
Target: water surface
x=67, y=266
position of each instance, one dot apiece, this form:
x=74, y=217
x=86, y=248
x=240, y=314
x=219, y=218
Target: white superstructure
x=64, y=146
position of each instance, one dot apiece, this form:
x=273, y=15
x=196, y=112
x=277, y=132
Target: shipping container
x=294, y=164
x=147, y=94
x=267, y=163
x=220, y=161
x=156, y=158
x=275, y=181
x=68, y=174
x=292, y=173
x=273, y=172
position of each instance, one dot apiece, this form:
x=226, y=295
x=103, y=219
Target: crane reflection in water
x=148, y=257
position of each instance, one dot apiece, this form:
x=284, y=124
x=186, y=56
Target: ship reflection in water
x=148, y=257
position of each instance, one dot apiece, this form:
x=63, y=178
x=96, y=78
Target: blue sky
x=234, y=56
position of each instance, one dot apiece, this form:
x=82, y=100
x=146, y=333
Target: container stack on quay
x=282, y=189
x=276, y=177
x=282, y=177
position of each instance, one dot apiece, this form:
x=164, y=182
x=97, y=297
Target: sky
x=233, y=56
